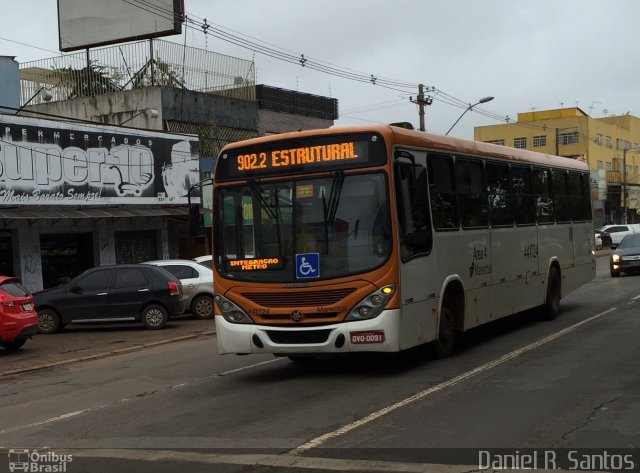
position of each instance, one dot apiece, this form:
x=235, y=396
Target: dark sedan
x=120, y=293
x=626, y=257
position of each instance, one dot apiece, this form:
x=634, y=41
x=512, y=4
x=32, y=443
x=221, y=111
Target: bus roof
x=430, y=141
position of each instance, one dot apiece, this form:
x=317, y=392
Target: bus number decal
x=531, y=250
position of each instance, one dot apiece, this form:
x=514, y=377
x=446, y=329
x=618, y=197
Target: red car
x=18, y=318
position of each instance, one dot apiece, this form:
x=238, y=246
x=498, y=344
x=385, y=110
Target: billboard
x=45, y=162
x=85, y=24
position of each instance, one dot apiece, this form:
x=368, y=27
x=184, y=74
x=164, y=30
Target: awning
x=34, y=213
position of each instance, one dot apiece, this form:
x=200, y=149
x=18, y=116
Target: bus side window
x=560, y=190
x=498, y=181
x=523, y=199
x=472, y=194
x=413, y=209
x=545, y=213
x=444, y=206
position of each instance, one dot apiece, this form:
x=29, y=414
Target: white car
x=597, y=239
x=197, y=284
x=612, y=235
x=206, y=260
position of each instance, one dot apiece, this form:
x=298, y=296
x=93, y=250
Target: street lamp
x=482, y=100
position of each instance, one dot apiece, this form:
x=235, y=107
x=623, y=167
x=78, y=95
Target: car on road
x=597, y=239
x=626, y=257
x=118, y=293
x=197, y=284
x=612, y=235
x=206, y=260
x=18, y=318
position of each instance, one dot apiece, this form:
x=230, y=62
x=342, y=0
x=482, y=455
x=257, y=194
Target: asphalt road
x=572, y=384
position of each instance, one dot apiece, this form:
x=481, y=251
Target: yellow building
x=609, y=145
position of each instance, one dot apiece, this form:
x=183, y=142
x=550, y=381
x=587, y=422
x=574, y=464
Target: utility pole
x=421, y=100
x=624, y=183
x=558, y=141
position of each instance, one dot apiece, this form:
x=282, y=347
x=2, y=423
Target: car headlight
x=615, y=258
x=231, y=312
x=372, y=305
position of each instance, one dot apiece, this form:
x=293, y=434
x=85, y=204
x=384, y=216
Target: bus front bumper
x=380, y=334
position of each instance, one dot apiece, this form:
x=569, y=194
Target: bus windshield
x=300, y=229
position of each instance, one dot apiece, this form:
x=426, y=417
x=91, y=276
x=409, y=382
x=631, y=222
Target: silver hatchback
x=197, y=284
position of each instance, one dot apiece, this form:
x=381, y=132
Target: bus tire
x=443, y=345
x=551, y=307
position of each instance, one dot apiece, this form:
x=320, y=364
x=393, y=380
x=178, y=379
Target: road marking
x=635, y=298
x=70, y=415
x=318, y=441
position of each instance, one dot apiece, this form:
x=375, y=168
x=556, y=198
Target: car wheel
x=551, y=307
x=14, y=344
x=154, y=317
x=615, y=273
x=48, y=321
x=202, y=307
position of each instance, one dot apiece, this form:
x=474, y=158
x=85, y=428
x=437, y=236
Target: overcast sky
x=528, y=54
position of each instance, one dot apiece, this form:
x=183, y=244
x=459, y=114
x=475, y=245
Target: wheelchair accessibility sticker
x=307, y=265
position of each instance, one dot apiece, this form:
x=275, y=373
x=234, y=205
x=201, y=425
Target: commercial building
x=608, y=144
x=104, y=149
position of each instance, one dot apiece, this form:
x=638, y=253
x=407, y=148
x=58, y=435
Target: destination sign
x=301, y=155
x=254, y=264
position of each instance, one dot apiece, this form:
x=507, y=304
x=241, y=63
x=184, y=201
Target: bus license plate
x=374, y=336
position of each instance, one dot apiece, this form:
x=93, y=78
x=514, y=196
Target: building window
x=598, y=139
x=600, y=165
x=607, y=141
x=496, y=142
x=608, y=166
x=569, y=138
x=520, y=143
x=539, y=141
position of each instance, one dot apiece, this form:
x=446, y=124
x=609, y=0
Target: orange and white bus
x=382, y=238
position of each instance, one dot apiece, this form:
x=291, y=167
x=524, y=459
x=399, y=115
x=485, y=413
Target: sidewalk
x=85, y=342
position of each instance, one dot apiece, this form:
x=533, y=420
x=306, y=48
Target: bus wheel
x=551, y=306
x=443, y=345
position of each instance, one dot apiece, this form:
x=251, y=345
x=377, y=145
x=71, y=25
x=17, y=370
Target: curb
x=106, y=354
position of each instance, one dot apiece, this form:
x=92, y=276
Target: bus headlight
x=372, y=305
x=231, y=312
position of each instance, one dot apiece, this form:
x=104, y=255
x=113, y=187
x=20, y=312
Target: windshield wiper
x=256, y=191
x=329, y=210
x=334, y=196
x=272, y=213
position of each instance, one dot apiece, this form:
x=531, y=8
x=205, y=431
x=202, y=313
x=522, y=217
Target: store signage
x=45, y=162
